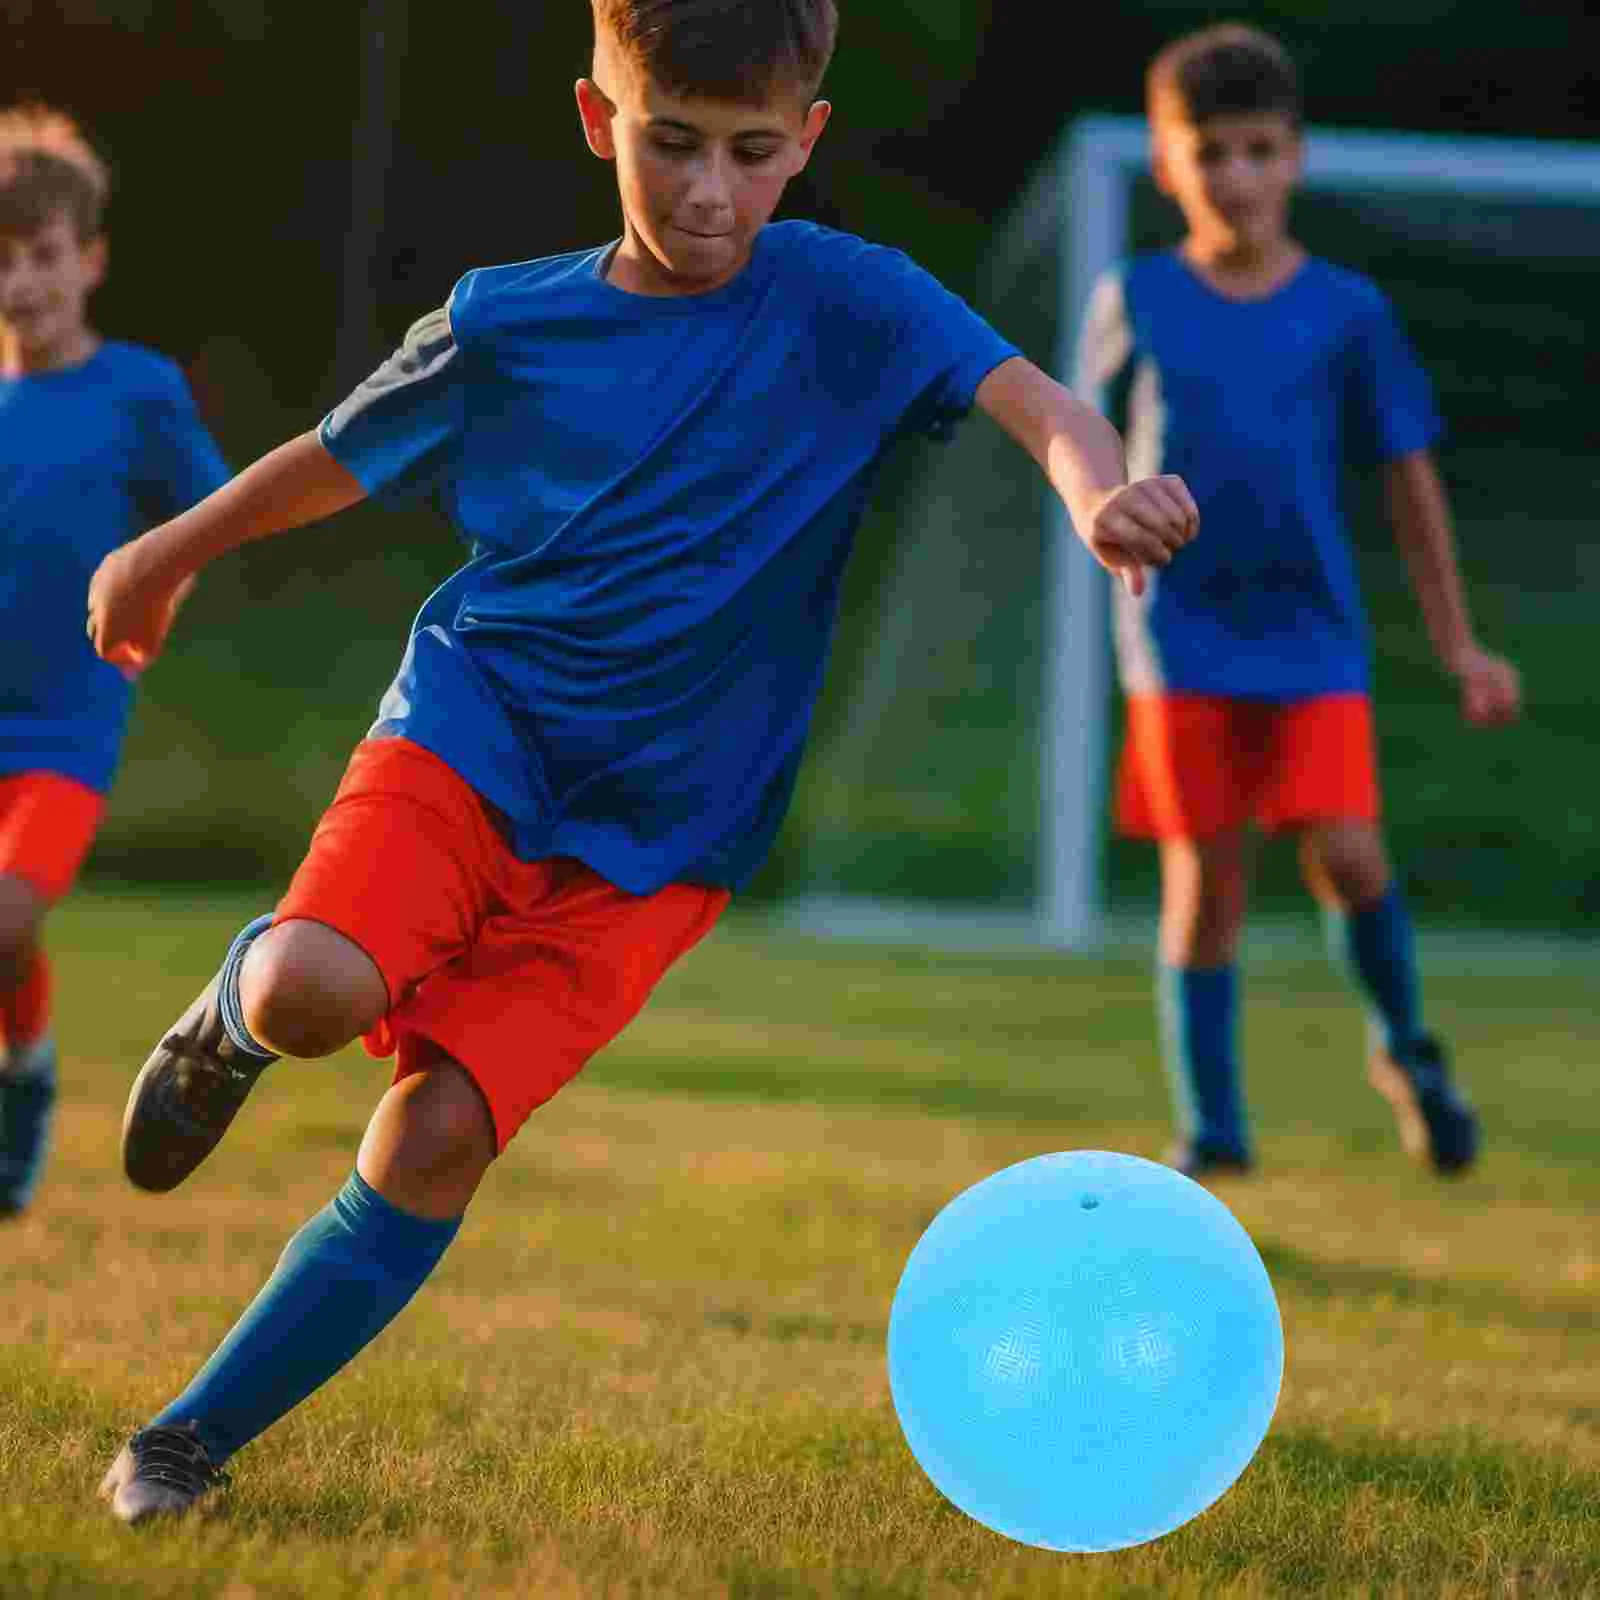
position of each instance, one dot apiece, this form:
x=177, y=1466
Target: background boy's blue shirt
x=660, y=494
x=1261, y=406
x=90, y=456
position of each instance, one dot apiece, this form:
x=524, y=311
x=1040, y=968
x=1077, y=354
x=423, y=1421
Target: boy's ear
x=96, y=256
x=1158, y=163
x=595, y=112
x=816, y=121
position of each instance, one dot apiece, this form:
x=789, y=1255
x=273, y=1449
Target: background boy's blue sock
x=1198, y=1009
x=340, y=1281
x=1375, y=947
x=27, y=1107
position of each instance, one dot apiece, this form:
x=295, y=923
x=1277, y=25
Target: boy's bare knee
x=308, y=991
x=430, y=1142
x=446, y=1119
x=20, y=913
x=1345, y=862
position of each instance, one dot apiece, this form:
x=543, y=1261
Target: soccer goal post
x=958, y=793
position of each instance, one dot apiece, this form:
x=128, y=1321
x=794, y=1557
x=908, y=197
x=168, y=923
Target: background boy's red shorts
x=47, y=823
x=518, y=970
x=1197, y=765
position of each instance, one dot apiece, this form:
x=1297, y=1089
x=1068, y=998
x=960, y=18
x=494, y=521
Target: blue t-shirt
x=90, y=456
x=1260, y=406
x=660, y=494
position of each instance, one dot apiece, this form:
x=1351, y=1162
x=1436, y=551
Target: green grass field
x=653, y=1363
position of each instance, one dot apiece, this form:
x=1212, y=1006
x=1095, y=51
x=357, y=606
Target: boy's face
x=699, y=179
x=46, y=278
x=1231, y=176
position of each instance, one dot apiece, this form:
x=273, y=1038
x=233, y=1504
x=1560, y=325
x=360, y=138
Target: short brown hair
x=737, y=50
x=47, y=168
x=1226, y=70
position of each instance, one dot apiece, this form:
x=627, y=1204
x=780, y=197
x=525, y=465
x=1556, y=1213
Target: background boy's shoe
x=1437, y=1123
x=27, y=1106
x=185, y=1096
x=160, y=1472
x=1201, y=1160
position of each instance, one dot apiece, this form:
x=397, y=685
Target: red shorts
x=518, y=970
x=1196, y=765
x=47, y=823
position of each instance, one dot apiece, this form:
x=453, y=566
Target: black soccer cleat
x=1436, y=1121
x=185, y=1096
x=160, y=1472
x=1199, y=1160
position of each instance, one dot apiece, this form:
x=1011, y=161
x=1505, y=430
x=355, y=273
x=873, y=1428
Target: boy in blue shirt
x=659, y=452
x=98, y=440
x=1260, y=374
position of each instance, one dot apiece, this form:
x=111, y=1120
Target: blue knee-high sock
x=1198, y=1011
x=27, y=1107
x=1376, y=947
x=340, y=1281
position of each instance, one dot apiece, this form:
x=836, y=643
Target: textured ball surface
x=1085, y=1351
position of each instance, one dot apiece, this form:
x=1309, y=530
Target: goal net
x=956, y=789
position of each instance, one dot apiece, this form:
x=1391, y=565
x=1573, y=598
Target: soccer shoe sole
x=184, y=1098
x=1396, y=1086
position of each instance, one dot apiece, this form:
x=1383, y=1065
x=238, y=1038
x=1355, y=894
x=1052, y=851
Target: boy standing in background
x=1260, y=374
x=98, y=440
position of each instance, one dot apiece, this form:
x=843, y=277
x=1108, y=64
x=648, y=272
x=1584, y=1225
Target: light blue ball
x=1085, y=1351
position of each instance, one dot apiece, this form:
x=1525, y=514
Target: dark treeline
x=234, y=126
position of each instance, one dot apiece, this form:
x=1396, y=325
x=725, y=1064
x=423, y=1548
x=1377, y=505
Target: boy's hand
x=1142, y=525
x=1491, y=689
x=132, y=602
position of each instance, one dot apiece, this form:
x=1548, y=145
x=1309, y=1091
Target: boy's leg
x=1370, y=936
x=27, y=1053
x=47, y=823
x=1188, y=777
x=1369, y=929
x=1204, y=892
x=388, y=893
x=507, y=976
x=1325, y=788
x=340, y=1281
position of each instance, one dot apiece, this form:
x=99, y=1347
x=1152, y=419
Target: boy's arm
x=1128, y=527
x=136, y=590
x=1491, y=692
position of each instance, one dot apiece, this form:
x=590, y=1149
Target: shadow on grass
x=1437, y=1471
x=1494, y=1518
x=1457, y=1472
x=1480, y=1304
